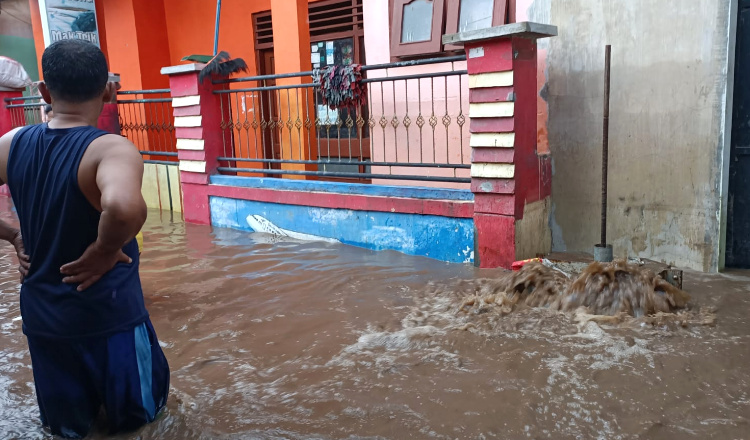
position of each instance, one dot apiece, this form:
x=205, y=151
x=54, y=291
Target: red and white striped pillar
x=197, y=122
x=505, y=169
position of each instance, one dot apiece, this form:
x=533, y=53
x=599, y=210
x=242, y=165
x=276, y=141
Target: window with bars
x=336, y=37
x=329, y=20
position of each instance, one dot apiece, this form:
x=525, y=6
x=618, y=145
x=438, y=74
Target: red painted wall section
x=492, y=155
x=495, y=94
x=196, y=203
x=495, y=56
x=211, y=121
x=444, y=208
x=192, y=110
x=6, y=125
x=500, y=204
x=528, y=165
x=496, y=240
x=494, y=186
x=109, y=120
x=492, y=125
x=193, y=178
x=191, y=155
x=5, y=114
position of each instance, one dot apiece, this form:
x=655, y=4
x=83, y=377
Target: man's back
x=78, y=196
x=58, y=223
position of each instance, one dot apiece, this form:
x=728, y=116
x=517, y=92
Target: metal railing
x=411, y=129
x=26, y=110
x=147, y=122
x=146, y=119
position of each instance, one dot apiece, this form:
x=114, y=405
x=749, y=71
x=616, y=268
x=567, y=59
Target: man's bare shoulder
x=114, y=143
x=5, y=142
x=112, y=147
x=7, y=139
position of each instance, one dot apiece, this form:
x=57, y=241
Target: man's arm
x=119, y=175
x=8, y=232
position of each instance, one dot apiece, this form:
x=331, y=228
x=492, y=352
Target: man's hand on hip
x=24, y=262
x=93, y=264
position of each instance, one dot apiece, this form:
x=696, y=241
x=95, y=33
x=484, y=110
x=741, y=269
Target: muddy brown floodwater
x=276, y=339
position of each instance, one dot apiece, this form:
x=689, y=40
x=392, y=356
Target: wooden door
x=738, y=215
x=269, y=110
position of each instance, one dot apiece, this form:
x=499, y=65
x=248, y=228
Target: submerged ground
x=271, y=339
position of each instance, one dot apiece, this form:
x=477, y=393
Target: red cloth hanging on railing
x=341, y=86
x=109, y=119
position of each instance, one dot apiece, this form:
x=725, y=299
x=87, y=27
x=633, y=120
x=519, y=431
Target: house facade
x=676, y=177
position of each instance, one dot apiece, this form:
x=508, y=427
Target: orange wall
x=36, y=27
x=145, y=35
x=137, y=46
x=190, y=25
x=153, y=42
x=119, y=20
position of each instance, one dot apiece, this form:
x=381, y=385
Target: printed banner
x=69, y=19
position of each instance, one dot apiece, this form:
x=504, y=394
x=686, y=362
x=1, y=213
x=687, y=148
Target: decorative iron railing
x=146, y=119
x=411, y=129
x=26, y=110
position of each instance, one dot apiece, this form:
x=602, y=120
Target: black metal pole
x=605, y=144
x=216, y=29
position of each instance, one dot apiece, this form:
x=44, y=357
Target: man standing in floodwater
x=77, y=191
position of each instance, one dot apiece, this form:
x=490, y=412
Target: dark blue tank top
x=58, y=224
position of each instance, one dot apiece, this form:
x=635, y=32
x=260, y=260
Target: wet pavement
x=277, y=339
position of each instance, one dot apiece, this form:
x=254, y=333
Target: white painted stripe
x=190, y=144
x=186, y=101
x=492, y=109
x=493, y=170
x=490, y=140
x=193, y=166
x=187, y=121
x=494, y=79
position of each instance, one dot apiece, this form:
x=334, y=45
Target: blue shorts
x=126, y=373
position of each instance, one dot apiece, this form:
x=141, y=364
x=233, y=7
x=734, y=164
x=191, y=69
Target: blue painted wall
x=442, y=238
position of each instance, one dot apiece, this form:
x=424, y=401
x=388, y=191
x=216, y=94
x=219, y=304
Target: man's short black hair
x=74, y=70
x=47, y=109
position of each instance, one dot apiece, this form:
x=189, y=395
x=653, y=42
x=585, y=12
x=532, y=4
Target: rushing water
x=279, y=339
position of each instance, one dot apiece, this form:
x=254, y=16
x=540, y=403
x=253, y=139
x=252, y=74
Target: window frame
x=453, y=14
x=433, y=46
x=503, y=13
